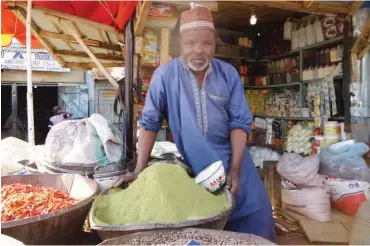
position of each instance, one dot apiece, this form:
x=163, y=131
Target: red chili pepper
x=22, y=201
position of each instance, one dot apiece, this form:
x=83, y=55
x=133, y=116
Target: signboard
x=15, y=57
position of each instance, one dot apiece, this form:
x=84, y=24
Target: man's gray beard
x=195, y=68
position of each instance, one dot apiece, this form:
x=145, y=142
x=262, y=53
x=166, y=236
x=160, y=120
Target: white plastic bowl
x=213, y=177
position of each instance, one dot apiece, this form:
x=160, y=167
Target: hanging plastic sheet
x=360, y=90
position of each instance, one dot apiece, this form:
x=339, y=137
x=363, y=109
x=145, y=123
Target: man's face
x=197, y=48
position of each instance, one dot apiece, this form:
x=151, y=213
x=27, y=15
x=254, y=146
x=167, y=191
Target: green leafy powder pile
x=163, y=193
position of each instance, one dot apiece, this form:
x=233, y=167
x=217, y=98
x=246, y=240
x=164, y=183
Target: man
x=203, y=100
x=59, y=116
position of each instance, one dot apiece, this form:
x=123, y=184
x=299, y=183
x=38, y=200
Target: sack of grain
x=301, y=171
x=348, y=195
x=12, y=150
x=83, y=143
x=311, y=202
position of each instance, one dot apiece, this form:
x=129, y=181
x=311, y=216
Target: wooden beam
x=362, y=45
x=356, y=5
x=73, y=18
x=295, y=6
x=91, y=65
x=88, y=42
x=212, y=5
x=84, y=54
x=70, y=27
x=22, y=15
x=143, y=14
x=308, y=4
x=165, y=45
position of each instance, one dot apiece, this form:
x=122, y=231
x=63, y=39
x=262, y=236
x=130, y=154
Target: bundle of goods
x=319, y=64
x=345, y=160
x=68, y=145
x=299, y=138
x=259, y=155
x=284, y=104
x=321, y=100
x=304, y=190
x=153, y=198
x=149, y=47
x=13, y=150
x=21, y=201
x=256, y=100
x=349, y=179
x=300, y=34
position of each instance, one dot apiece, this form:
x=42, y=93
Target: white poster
x=15, y=57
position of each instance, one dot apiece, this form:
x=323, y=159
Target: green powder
x=162, y=193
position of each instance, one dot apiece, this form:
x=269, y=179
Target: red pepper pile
x=21, y=201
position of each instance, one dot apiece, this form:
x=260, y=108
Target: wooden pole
x=14, y=110
x=75, y=33
x=30, y=116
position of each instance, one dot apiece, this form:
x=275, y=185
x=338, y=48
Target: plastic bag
x=301, y=171
x=311, y=38
x=88, y=142
x=259, y=155
x=288, y=27
x=319, y=33
x=348, y=195
x=344, y=160
x=311, y=202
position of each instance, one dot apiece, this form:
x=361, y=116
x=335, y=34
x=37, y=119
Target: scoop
x=213, y=177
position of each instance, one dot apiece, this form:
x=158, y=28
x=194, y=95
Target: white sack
x=83, y=142
x=312, y=202
x=301, y=171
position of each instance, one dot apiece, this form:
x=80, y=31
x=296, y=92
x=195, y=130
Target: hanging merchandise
x=295, y=39
x=288, y=28
x=302, y=38
x=320, y=97
x=311, y=39
x=319, y=34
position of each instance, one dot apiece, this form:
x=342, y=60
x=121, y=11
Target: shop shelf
x=283, y=118
x=325, y=43
x=320, y=80
x=233, y=57
x=277, y=57
x=271, y=86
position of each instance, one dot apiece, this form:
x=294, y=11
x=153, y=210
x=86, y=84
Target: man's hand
x=232, y=181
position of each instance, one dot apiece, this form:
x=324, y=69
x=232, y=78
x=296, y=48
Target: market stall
x=298, y=72
x=293, y=59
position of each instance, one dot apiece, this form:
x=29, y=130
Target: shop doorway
x=44, y=99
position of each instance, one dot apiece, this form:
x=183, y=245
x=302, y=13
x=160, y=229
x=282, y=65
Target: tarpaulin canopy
x=112, y=13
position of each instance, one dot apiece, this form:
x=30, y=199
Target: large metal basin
x=215, y=222
x=60, y=227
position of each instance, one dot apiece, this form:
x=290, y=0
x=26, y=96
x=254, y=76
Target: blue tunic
x=200, y=119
